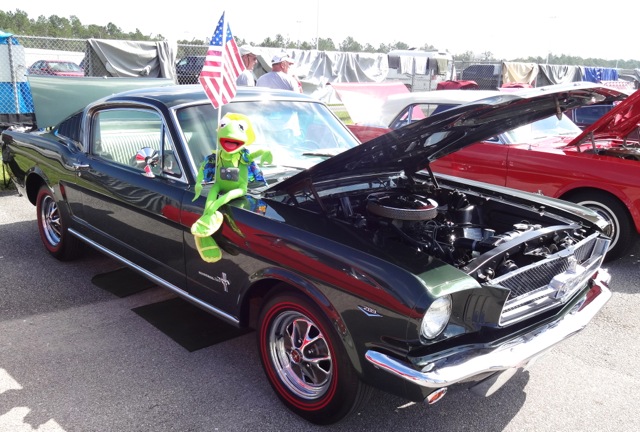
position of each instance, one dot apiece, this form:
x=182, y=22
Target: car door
x=222, y=283
x=485, y=161
x=543, y=171
x=131, y=205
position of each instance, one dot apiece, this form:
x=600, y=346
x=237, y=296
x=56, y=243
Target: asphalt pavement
x=76, y=358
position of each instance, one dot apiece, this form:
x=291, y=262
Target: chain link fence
x=23, y=55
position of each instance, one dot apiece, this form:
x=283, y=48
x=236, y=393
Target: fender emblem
x=222, y=279
x=369, y=311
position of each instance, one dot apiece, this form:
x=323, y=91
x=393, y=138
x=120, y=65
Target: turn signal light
x=436, y=396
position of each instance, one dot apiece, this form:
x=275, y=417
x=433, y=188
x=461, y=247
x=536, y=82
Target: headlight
x=437, y=317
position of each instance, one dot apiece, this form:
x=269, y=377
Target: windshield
x=64, y=67
x=542, y=129
x=298, y=134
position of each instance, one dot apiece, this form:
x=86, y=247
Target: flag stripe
x=222, y=66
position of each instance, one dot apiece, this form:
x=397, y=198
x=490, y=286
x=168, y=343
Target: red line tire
x=305, y=362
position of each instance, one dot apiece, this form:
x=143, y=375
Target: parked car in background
x=487, y=76
x=357, y=266
x=598, y=168
x=397, y=110
x=55, y=67
x=188, y=69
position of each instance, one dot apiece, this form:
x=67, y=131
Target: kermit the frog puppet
x=234, y=166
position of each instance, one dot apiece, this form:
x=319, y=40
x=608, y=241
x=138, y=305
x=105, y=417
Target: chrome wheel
x=621, y=228
x=300, y=355
x=53, y=225
x=613, y=230
x=50, y=221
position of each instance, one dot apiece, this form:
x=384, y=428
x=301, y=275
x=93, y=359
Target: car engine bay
x=486, y=237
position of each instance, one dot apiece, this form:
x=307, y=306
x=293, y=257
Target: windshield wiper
x=319, y=153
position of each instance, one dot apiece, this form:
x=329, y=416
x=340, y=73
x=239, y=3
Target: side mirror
x=147, y=158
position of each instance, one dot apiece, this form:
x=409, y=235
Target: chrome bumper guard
x=517, y=352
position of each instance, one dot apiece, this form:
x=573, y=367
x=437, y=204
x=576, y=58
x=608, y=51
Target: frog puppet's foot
x=207, y=224
x=208, y=249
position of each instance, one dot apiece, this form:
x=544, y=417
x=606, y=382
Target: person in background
x=249, y=58
x=279, y=77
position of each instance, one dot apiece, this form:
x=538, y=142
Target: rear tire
x=305, y=362
x=622, y=230
x=53, y=227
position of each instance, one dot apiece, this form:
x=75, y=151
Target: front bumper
x=473, y=361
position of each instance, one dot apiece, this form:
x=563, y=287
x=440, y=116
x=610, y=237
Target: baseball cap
x=282, y=57
x=247, y=49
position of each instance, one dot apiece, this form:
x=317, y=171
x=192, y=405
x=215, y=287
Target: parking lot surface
x=76, y=357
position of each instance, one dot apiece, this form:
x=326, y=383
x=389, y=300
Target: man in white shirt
x=279, y=77
x=249, y=58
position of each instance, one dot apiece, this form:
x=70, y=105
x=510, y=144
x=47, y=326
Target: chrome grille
x=530, y=289
x=532, y=278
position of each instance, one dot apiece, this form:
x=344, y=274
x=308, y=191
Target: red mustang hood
x=617, y=123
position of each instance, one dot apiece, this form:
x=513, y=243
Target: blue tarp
x=4, y=38
x=15, y=95
x=598, y=74
x=15, y=98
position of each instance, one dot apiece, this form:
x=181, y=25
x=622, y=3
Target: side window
x=412, y=113
x=119, y=134
x=402, y=119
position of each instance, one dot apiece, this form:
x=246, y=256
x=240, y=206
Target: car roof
x=56, y=61
x=53, y=61
x=90, y=91
x=173, y=96
x=395, y=103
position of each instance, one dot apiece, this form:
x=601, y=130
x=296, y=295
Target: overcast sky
x=507, y=29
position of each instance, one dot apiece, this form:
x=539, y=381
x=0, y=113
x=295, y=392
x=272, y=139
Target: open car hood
x=364, y=101
x=413, y=147
x=617, y=123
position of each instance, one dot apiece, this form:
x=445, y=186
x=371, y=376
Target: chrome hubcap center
x=296, y=356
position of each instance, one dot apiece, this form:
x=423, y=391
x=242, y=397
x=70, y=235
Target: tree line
x=19, y=23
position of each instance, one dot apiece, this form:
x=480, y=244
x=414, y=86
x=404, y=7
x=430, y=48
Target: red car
x=55, y=67
x=598, y=167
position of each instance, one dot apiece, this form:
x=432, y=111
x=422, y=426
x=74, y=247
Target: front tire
x=305, y=363
x=53, y=227
x=622, y=230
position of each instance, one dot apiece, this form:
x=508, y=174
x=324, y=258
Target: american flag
x=222, y=66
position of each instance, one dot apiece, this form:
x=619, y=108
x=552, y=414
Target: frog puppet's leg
x=209, y=223
x=208, y=249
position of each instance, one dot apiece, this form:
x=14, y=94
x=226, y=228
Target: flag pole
x=224, y=35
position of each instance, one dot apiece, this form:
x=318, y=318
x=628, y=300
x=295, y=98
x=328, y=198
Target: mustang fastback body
x=357, y=266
